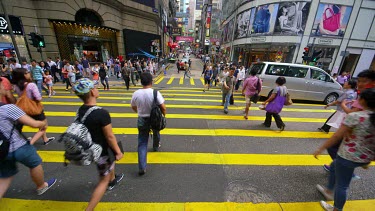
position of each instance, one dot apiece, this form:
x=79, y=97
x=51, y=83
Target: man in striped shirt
x=37, y=74
x=20, y=150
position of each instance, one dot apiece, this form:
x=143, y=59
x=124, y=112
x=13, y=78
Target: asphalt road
x=221, y=158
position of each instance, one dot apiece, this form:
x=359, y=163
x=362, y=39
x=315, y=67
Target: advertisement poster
x=242, y=25
x=264, y=20
x=291, y=18
x=230, y=30
x=331, y=20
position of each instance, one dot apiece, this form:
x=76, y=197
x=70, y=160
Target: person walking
x=341, y=79
x=99, y=125
x=358, y=150
x=49, y=82
x=20, y=150
x=86, y=67
x=227, y=89
x=133, y=73
x=215, y=73
x=275, y=103
x=141, y=103
x=125, y=72
x=240, y=77
x=187, y=70
x=95, y=74
x=251, y=88
x=24, y=85
x=207, y=78
x=59, y=66
x=103, y=76
x=69, y=74
x=37, y=75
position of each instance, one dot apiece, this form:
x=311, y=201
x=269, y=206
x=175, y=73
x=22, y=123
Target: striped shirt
x=9, y=114
x=37, y=73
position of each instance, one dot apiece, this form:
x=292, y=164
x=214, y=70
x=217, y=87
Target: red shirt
x=7, y=86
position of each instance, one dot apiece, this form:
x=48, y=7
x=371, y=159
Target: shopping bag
x=337, y=119
x=332, y=23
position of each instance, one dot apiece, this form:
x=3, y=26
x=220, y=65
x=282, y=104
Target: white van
x=303, y=82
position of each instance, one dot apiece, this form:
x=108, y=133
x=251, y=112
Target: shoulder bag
x=276, y=105
x=256, y=96
x=29, y=106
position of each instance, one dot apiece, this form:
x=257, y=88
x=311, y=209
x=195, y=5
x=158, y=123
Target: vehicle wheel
x=330, y=98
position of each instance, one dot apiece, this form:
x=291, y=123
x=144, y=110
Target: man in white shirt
x=240, y=78
x=13, y=64
x=141, y=103
x=53, y=67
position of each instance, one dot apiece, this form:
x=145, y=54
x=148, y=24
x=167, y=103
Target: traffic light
x=316, y=55
x=40, y=41
x=33, y=39
x=305, y=56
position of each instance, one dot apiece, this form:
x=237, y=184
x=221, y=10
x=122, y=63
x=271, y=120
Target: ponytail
x=368, y=95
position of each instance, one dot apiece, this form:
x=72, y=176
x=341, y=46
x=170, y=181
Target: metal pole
x=11, y=31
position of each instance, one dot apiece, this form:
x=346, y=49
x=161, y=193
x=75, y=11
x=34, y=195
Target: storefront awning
x=5, y=45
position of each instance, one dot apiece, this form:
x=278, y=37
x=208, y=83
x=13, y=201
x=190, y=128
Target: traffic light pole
x=11, y=31
x=41, y=53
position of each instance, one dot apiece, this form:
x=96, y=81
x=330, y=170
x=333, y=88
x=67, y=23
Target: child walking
x=48, y=80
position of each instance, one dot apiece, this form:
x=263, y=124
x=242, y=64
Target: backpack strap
x=155, y=96
x=88, y=112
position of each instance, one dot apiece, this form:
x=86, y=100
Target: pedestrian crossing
x=163, y=80
x=208, y=160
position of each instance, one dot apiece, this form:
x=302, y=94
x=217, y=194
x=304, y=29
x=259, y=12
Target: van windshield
x=257, y=67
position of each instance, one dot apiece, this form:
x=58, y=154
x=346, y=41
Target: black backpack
x=5, y=142
x=157, y=119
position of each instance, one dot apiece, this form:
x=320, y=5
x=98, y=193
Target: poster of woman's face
x=331, y=20
x=264, y=20
x=291, y=18
x=242, y=25
x=230, y=30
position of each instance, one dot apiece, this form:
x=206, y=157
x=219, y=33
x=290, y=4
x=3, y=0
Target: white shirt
x=241, y=74
x=143, y=99
x=14, y=66
x=51, y=63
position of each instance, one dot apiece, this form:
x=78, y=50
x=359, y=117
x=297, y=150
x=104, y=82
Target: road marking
x=193, y=116
x=192, y=82
x=208, y=132
x=202, y=80
x=208, y=159
x=181, y=80
x=159, y=80
x=37, y=205
x=184, y=106
x=170, y=80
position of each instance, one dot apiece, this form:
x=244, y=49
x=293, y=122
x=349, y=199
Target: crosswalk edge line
x=37, y=205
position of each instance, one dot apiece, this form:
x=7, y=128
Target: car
x=303, y=82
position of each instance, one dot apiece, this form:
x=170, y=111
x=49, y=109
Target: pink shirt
x=356, y=104
x=32, y=92
x=250, y=85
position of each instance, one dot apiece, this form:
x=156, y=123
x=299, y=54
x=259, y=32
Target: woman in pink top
x=22, y=80
x=250, y=88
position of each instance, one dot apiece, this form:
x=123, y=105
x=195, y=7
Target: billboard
x=176, y=31
x=242, y=24
x=291, y=18
x=264, y=20
x=331, y=20
x=198, y=4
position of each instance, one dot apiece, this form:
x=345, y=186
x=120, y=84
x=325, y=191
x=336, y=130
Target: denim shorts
x=26, y=155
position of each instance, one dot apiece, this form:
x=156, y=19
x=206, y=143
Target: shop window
x=319, y=75
x=297, y=72
x=280, y=70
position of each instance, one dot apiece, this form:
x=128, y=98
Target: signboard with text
x=16, y=25
x=176, y=31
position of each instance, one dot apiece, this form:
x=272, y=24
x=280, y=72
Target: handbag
x=288, y=100
x=276, y=105
x=255, y=98
x=29, y=106
x=332, y=23
x=337, y=119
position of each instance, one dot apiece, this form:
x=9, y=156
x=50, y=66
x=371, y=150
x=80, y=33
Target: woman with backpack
x=25, y=88
x=275, y=103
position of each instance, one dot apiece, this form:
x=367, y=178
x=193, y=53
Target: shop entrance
x=350, y=63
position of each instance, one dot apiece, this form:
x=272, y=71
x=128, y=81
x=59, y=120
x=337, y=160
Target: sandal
x=245, y=117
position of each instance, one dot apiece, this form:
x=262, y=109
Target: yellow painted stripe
x=208, y=159
x=159, y=80
x=202, y=80
x=170, y=80
x=210, y=107
x=193, y=116
x=181, y=80
x=37, y=205
x=208, y=132
x=192, y=81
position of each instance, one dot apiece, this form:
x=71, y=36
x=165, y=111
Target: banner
x=331, y=20
x=185, y=38
x=242, y=24
x=291, y=18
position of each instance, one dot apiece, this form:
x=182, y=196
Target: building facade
x=342, y=32
x=94, y=28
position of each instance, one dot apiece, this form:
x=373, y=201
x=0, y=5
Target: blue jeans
x=39, y=84
x=341, y=173
x=227, y=99
x=144, y=128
